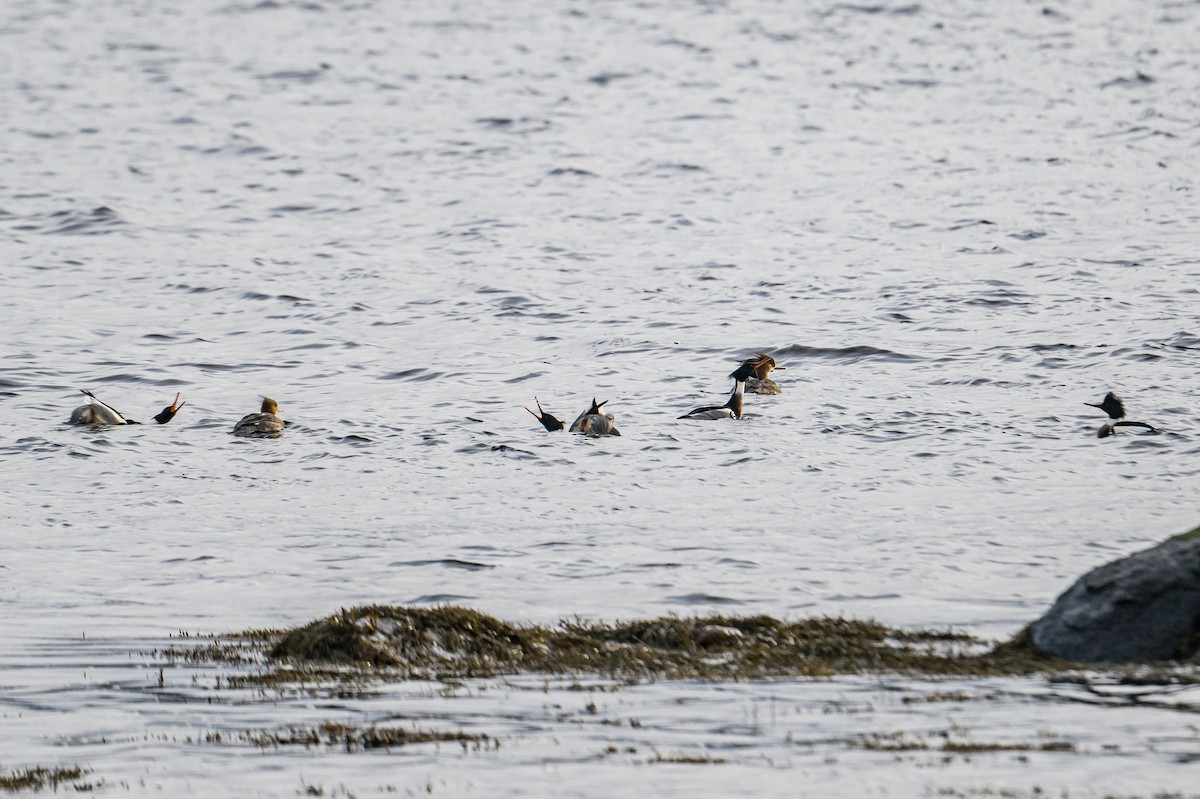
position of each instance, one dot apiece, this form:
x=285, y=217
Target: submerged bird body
x=755, y=371
x=264, y=424
x=1115, y=408
x=732, y=409
x=96, y=412
x=595, y=422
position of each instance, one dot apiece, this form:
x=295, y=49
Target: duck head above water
x=1111, y=404
x=1115, y=408
x=743, y=372
x=762, y=364
x=755, y=371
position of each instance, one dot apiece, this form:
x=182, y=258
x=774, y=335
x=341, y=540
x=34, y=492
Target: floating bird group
x=1115, y=408
x=264, y=424
x=751, y=377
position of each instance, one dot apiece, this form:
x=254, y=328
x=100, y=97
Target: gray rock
x=1143, y=607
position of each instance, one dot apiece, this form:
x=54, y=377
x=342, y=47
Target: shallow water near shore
x=953, y=225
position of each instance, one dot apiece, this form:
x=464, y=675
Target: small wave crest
x=860, y=352
x=98, y=221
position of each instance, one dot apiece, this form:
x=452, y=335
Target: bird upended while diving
x=96, y=412
x=593, y=422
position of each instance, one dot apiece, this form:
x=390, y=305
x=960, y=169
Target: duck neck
x=735, y=399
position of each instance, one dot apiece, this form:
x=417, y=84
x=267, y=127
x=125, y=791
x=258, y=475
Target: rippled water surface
x=953, y=223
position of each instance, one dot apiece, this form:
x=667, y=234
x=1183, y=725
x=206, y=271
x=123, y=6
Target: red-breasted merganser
x=1115, y=408
x=731, y=409
x=758, y=382
x=264, y=424
x=97, y=412
x=592, y=422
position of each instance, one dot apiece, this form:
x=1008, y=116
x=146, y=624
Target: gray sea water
x=953, y=222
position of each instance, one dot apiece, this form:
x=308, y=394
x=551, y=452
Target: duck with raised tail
x=1115, y=408
x=264, y=424
x=595, y=422
x=592, y=422
x=99, y=413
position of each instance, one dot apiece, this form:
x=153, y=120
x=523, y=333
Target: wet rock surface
x=1145, y=607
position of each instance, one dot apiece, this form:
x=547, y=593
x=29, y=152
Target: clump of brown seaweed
x=454, y=643
x=39, y=778
x=351, y=738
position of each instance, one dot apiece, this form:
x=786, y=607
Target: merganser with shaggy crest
x=100, y=413
x=1115, y=408
x=758, y=381
x=264, y=424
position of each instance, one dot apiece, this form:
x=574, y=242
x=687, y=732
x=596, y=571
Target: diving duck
x=595, y=422
x=592, y=422
x=96, y=412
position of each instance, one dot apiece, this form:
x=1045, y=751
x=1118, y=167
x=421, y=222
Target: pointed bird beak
x=1093, y=404
x=176, y=405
